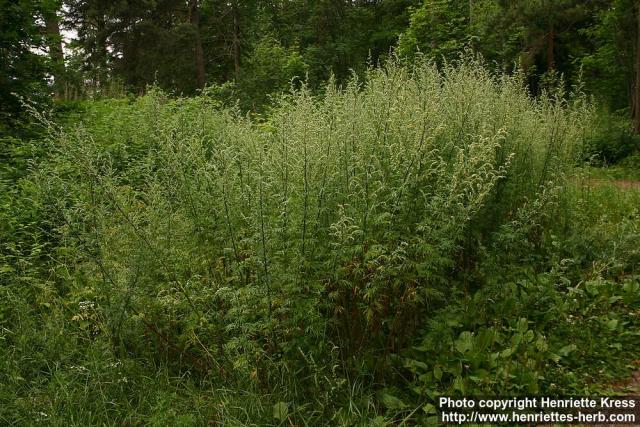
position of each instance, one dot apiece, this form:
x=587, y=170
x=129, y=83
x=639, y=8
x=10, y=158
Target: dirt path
x=626, y=184
x=620, y=183
x=630, y=386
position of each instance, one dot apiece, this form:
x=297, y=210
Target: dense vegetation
x=360, y=252
x=314, y=213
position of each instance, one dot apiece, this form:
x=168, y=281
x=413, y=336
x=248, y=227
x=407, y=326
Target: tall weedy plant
x=339, y=222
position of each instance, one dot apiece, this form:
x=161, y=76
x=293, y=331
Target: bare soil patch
x=625, y=184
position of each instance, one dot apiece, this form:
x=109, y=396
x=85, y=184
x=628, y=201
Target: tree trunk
x=194, y=19
x=101, y=52
x=635, y=97
x=56, y=53
x=551, y=38
x=236, y=42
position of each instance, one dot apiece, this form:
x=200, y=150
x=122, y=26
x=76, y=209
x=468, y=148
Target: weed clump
x=311, y=250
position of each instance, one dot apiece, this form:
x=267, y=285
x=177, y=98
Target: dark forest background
x=247, y=50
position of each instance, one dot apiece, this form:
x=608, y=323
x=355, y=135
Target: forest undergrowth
x=344, y=259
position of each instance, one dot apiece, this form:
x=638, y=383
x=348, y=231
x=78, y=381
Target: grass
x=627, y=170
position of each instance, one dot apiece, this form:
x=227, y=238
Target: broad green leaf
x=378, y=421
x=528, y=337
x=392, y=402
x=437, y=372
x=506, y=353
x=281, y=411
x=567, y=349
x=631, y=287
x=592, y=288
x=464, y=342
x=429, y=409
x=523, y=325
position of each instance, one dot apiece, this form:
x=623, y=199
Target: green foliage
x=609, y=69
x=439, y=28
x=257, y=46
x=569, y=330
x=542, y=37
x=387, y=243
x=269, y=70
x=612, y=140
x=344, y=260
x=544, y=318
x=21, y=69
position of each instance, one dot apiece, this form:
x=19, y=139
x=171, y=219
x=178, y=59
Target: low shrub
x=612, y=140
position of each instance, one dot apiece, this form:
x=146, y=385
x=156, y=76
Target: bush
x=308, y=254
x=342, y=216
x=612, y=140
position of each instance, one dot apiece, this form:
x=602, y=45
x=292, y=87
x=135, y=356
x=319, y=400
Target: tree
x=95, y=22
x=269, y=69
x=439, y=29
x=613, y=67
x=389, y=19
x=194, y=19
x=50, y=11
x=636, y=93
x=542, y=36
x=22, y=71
x=551, y=28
